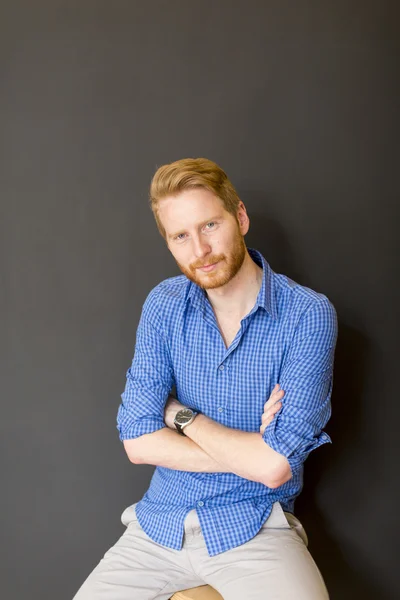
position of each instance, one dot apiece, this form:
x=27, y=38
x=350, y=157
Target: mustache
x=209, y=261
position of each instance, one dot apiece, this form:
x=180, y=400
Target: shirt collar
x=266, y=296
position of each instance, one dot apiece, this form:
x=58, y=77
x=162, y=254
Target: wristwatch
x=184, y=417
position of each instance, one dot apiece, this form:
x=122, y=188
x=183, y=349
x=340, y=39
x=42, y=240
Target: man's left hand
x=171, y=408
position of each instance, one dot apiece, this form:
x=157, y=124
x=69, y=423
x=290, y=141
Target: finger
x=271, y=411
x=266, y=419
x=276, y=393
x=275, y=396
x=275, y=390
x=268, y=405
x=275, y=407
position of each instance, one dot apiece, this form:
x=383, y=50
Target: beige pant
x=274, y=565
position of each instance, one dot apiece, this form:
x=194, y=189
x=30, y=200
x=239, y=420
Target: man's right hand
x=272, y=405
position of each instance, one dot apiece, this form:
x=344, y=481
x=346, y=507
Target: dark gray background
x=298, y=102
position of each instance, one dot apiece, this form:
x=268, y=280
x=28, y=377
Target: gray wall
x=298, y=102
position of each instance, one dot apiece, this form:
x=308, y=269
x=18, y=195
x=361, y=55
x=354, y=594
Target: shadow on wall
x=343, y=581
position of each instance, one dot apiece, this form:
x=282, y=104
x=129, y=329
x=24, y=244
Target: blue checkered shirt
x=289, y=338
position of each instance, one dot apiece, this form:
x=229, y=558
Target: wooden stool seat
x=202, y=592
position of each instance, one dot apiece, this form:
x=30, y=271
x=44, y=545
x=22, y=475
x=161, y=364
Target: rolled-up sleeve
x=149, y=379
x=307, y=378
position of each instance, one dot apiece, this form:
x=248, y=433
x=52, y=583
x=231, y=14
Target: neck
x=238, y=296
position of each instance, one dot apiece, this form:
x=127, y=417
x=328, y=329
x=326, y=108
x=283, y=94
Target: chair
x=202, y=592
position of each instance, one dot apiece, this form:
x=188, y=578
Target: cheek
x=225, y=243
x=181, y=255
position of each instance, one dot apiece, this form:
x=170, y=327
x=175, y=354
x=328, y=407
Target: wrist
x=192, y=430
x=184, y=418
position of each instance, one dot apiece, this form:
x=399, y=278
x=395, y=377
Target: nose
x=200, y=247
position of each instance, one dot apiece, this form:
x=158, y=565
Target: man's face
x=200, y=232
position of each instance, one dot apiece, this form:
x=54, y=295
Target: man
x=250, y=354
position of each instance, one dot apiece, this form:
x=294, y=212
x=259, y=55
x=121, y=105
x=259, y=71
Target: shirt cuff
x=294, y=448
x=140, y=427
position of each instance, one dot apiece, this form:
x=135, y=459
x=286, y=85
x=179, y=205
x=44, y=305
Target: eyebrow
x=216, y=218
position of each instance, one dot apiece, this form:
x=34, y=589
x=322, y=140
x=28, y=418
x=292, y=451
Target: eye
x=210, y=223
x=178, y=237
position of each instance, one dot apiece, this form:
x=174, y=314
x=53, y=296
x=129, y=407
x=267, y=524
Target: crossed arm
x=211, y=447
x=145, y=418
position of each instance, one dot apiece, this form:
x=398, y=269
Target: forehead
x=189, y=208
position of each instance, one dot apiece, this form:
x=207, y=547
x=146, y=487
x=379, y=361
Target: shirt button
x=201, y=503
x=221, y=368
x=220, y=409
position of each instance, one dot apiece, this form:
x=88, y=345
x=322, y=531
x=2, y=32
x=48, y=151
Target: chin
x=211, y=283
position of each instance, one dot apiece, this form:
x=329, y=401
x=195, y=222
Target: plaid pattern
x=289, y=338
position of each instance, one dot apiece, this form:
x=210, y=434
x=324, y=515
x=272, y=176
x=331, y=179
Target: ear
x=243, y=219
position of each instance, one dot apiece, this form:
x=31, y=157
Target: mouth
x=208, y=268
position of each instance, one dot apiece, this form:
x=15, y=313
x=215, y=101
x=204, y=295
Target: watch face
x=184, y=415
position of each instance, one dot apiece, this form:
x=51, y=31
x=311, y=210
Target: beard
x=228, y=267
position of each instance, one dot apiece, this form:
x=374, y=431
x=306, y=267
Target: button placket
x=222, y=378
